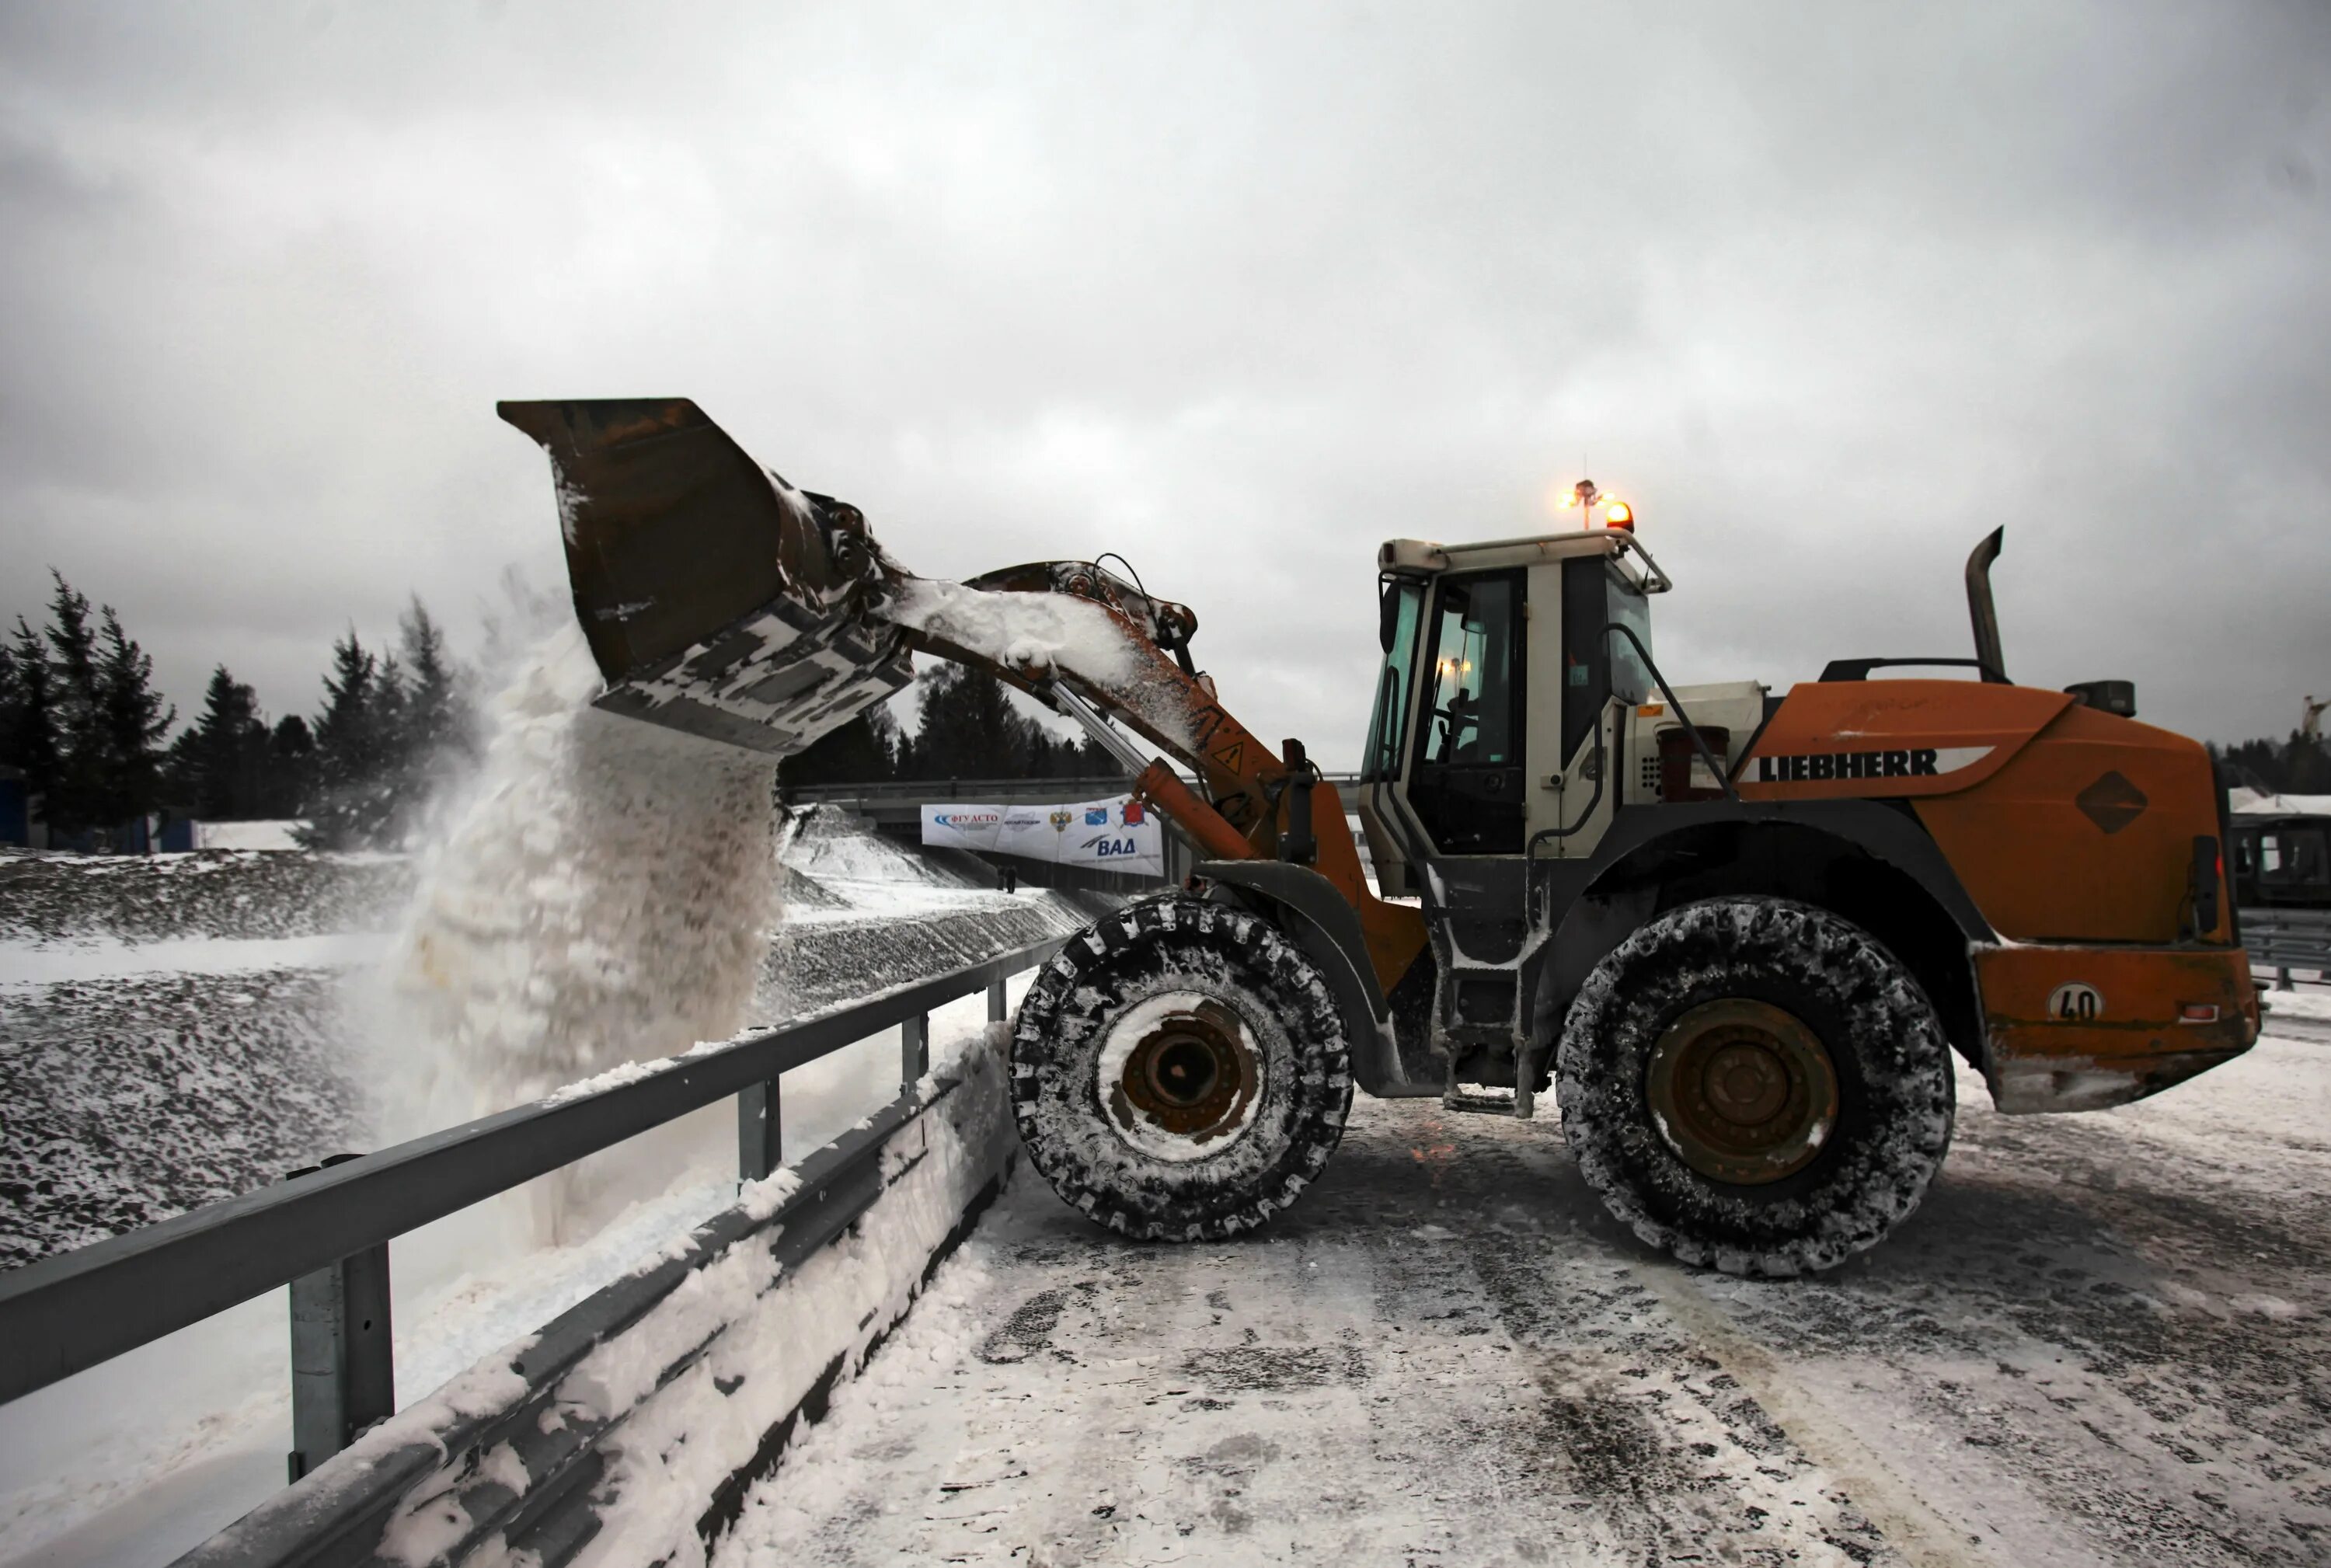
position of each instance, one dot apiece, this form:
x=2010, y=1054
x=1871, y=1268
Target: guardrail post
x=343, y=1361
x=914, y=1050
x=760, y=1145
x=996, y=1008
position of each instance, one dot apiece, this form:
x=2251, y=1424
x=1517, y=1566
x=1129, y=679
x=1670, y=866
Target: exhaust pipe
x=1984, y=613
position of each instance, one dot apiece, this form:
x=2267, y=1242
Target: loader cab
x=1497, y=673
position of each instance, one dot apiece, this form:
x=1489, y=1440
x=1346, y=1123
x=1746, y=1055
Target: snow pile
x=701, y=1380
x=271, y=836
x=1034, y=632
x=237, y=895
x=2314, y=1005
x=1042, y=634
x=709, y=1421
x=128, y=1095
x=603, y=896
x=101, y=958
x=2252, y=802
x=827, y=844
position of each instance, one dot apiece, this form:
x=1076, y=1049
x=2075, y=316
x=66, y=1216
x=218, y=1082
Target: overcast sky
x=1238, y=291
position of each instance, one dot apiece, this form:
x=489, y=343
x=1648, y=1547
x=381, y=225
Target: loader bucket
x=717, y=599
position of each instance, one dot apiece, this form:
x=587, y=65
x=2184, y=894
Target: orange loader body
x=2058, y=821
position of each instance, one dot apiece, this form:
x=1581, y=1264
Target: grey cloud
x=1239, y=293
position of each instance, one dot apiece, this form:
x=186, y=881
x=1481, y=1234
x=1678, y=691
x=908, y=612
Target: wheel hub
x=1743, y=1092
x=1191, y=1074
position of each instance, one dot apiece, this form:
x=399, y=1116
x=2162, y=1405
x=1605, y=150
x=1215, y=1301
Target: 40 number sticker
x=2076, y=1002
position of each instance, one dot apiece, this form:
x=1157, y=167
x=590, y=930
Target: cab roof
x=1423, y=558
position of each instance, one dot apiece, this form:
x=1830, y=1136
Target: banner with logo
x=961, y=827
x=1115, y=834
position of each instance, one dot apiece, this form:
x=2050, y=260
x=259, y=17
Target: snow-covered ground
x=177, y=1029
x=172, y=1030
x=2102, y=1340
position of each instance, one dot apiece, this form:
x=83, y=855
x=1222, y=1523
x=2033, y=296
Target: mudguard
x=1589, y=928
x=1328, y=929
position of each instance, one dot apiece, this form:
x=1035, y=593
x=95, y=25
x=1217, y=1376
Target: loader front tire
x=1180, y=1071
x=1755, y=1084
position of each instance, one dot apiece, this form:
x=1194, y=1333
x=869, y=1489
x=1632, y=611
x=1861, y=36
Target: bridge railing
x=2284, y=940
x=325, y=1233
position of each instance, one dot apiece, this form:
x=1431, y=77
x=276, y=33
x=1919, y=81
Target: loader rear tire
x=1755, y=1084
x=1180, y=1071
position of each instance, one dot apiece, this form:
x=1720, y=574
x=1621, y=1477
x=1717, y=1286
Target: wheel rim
x=1191, y=1074
x=1743, y=1092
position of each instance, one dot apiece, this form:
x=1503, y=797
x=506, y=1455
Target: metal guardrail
x=515, y=1467
x=325, y=1233
x=2284, y=940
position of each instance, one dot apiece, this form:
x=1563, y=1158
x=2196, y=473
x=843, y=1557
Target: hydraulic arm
x=1095, y=647
x=723, y=602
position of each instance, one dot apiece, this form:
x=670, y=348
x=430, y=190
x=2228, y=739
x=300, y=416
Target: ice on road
x=2101, y=1340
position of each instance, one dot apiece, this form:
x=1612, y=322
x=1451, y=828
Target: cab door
x=1589, y=676
x=1465, y=780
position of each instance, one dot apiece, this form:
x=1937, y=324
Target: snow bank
x=2307, y=1004
x=697, y=1430
x=262, y=835
x=239, y=894
x=2251, y=803
x=686, y=1398
x=827, y=844
x=110, y=958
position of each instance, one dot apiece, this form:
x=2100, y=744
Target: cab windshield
x=1402, y=607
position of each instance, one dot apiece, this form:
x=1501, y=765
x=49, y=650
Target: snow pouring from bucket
x=603, y=894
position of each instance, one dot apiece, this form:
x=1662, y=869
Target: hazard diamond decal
x=2112, y=803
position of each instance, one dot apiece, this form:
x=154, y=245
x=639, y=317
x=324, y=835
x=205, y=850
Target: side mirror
x=1387, y=614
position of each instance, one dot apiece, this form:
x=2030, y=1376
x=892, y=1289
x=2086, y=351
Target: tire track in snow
x=2102, y=1340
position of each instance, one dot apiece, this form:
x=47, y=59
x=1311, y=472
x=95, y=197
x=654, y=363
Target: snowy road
x=2102, y=1340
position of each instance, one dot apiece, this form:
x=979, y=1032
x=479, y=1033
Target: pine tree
x=437, y=718
x=28, y=724
x=76, y=790
x=182, y=774
x=2299, y=763
x=391, y=700
x=969, y=728
x=132, y=720
x=291, y=787
x=864, y=751
x=351, y=801
x=31, y=725
x=221, y=766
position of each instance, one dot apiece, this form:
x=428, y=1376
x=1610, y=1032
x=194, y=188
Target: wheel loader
x=1746, y=938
